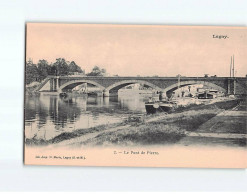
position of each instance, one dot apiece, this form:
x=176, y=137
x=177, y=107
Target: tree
x=43, y=69
x=96, y=71
x=40, y=71
x=53, y=70
x=32, y=73
x=61, y=67
x=73, y=67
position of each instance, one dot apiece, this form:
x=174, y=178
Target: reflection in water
x=48, y=116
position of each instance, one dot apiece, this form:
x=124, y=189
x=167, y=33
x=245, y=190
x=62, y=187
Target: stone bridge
x=108, y=85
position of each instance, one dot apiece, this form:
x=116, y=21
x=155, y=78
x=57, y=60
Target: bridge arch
x=74, y=83
x=121, y=84
x=194, y=82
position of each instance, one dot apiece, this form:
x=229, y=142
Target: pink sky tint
x=145, y=50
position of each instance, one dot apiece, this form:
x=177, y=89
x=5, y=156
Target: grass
x=191, y=120
x=231, y=125
x=145, y=134
x=165, y=131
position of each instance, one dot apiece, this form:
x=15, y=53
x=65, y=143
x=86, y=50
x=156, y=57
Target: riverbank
x=166, y=130
x=157, y=129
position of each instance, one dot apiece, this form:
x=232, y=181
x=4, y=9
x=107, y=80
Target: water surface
x=47, y=116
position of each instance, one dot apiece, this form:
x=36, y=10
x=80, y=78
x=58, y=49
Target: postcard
x=135, y=95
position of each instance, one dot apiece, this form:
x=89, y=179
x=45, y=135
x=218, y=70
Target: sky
x=145, y=50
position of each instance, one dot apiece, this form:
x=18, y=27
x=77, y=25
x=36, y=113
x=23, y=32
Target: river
x=47, y=116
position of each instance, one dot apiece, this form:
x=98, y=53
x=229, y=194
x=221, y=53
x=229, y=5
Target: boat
x=92, y=93
x=206, y=95
x=63, y=95
x=160, y=106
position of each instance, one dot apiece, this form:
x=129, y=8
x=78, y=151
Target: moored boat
x=63, y=95
x=160, y=106
x=206, y=95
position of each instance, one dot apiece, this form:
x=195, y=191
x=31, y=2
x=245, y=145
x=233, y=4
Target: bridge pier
x=234, y=86
x=57, y=83
x=110, y=94
x=106, y=94
x=54, y=84
x=229, y=87
x=51, y=84
x=163, y=95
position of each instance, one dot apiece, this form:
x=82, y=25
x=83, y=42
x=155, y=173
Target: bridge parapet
x=228, y=85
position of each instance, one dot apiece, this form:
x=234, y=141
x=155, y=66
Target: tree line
x=38, y=72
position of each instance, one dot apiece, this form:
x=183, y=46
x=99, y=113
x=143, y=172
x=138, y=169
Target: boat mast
x=231, y=68
x=178, y=81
